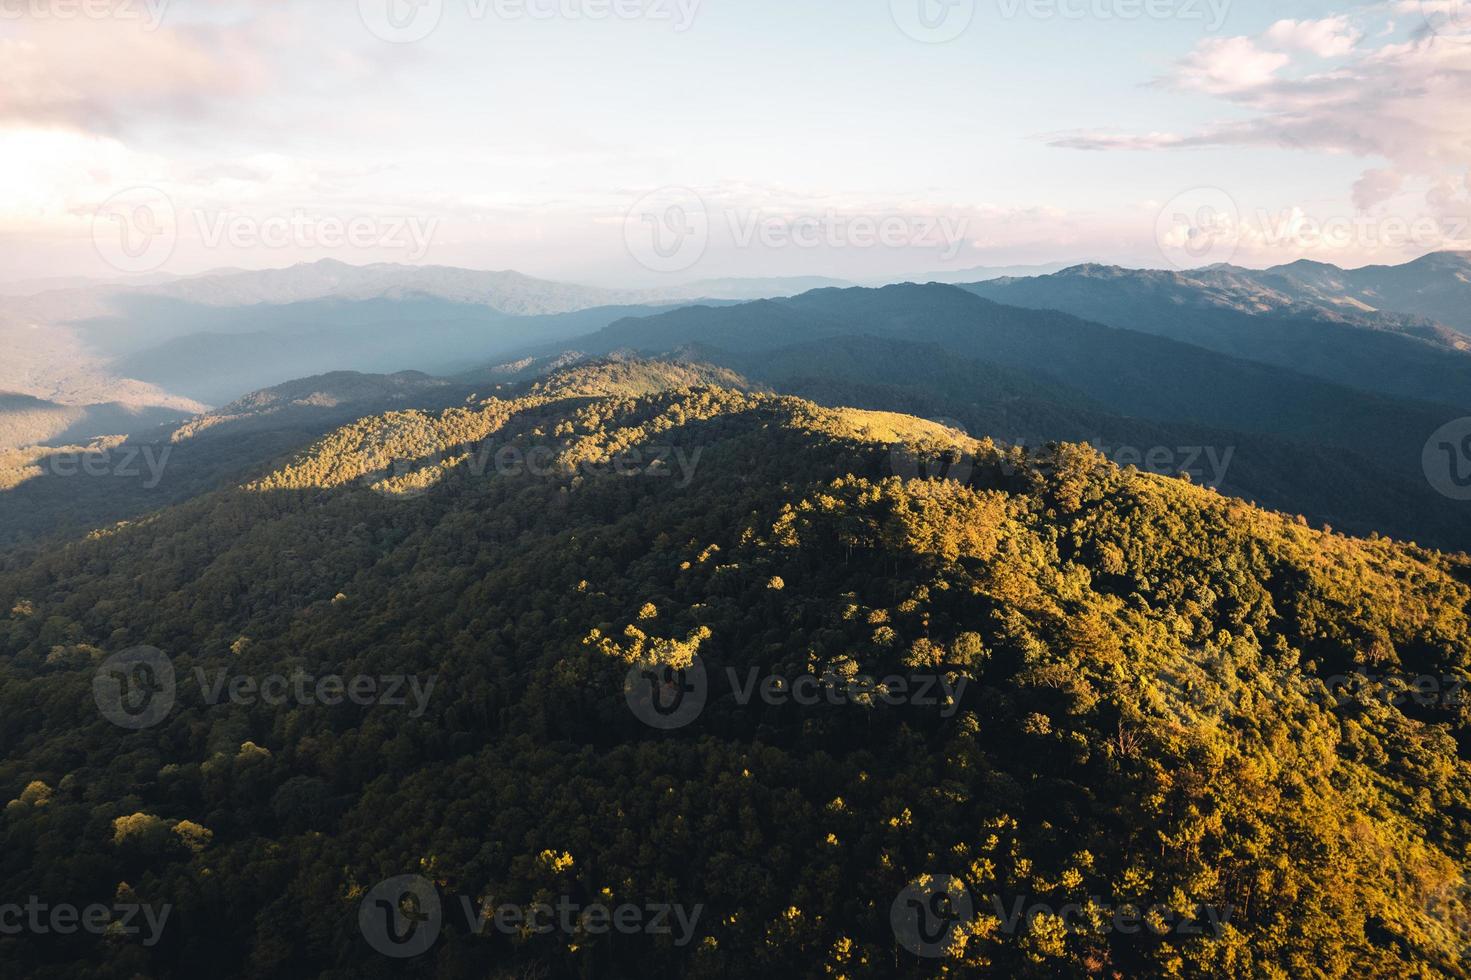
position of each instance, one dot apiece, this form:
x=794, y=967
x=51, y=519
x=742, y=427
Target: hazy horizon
x=654, y=141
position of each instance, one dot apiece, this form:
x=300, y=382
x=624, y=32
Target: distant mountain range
x=1437, y=286
x=1245, y=314
x=25, y=421
x=210, y=338
x=1340, y=454
x=1259, y=351
x=1421, y=298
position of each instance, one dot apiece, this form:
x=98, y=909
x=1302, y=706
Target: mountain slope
x=1149, y=713
x=1332, y=486
x=51, y=493
x=1231, y=311
x=213, y=337
x=27, y=421
x=1437, y=286
x=1129, y=373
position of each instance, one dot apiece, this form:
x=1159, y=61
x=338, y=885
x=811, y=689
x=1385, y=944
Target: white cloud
x=1407, y=103
x=1224, y=66
x=1331, y=37
x=97, y=75
x=1375, y=187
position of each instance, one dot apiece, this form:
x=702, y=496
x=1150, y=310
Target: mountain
x=253, y=347
x=64, y=490
x=28, y=421
x=1328, y=485
x=30, y=287
x=321, y=400
x=743, y=288
x=1237, y=312
x=504, y=291
x=1069, y=689
x=1132, y=373
x=1436, y=286
x=1039, y=376
x=209, y=338
x=981, y=273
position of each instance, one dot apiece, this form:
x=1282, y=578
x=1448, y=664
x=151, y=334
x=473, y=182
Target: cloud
x=94, y=75
x=1408, y=102
x=1376, y=187
x=1332, y=37
x=1224, y=66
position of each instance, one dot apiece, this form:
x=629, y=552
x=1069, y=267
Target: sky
x=648, y=142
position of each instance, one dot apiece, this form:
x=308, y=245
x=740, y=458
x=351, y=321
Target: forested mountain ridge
x=1327, y=484
x=1342, y=455
x=1150, y=712
x=48, y=493
x=1257, y=316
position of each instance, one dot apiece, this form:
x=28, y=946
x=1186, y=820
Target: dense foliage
x=1151, y=713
